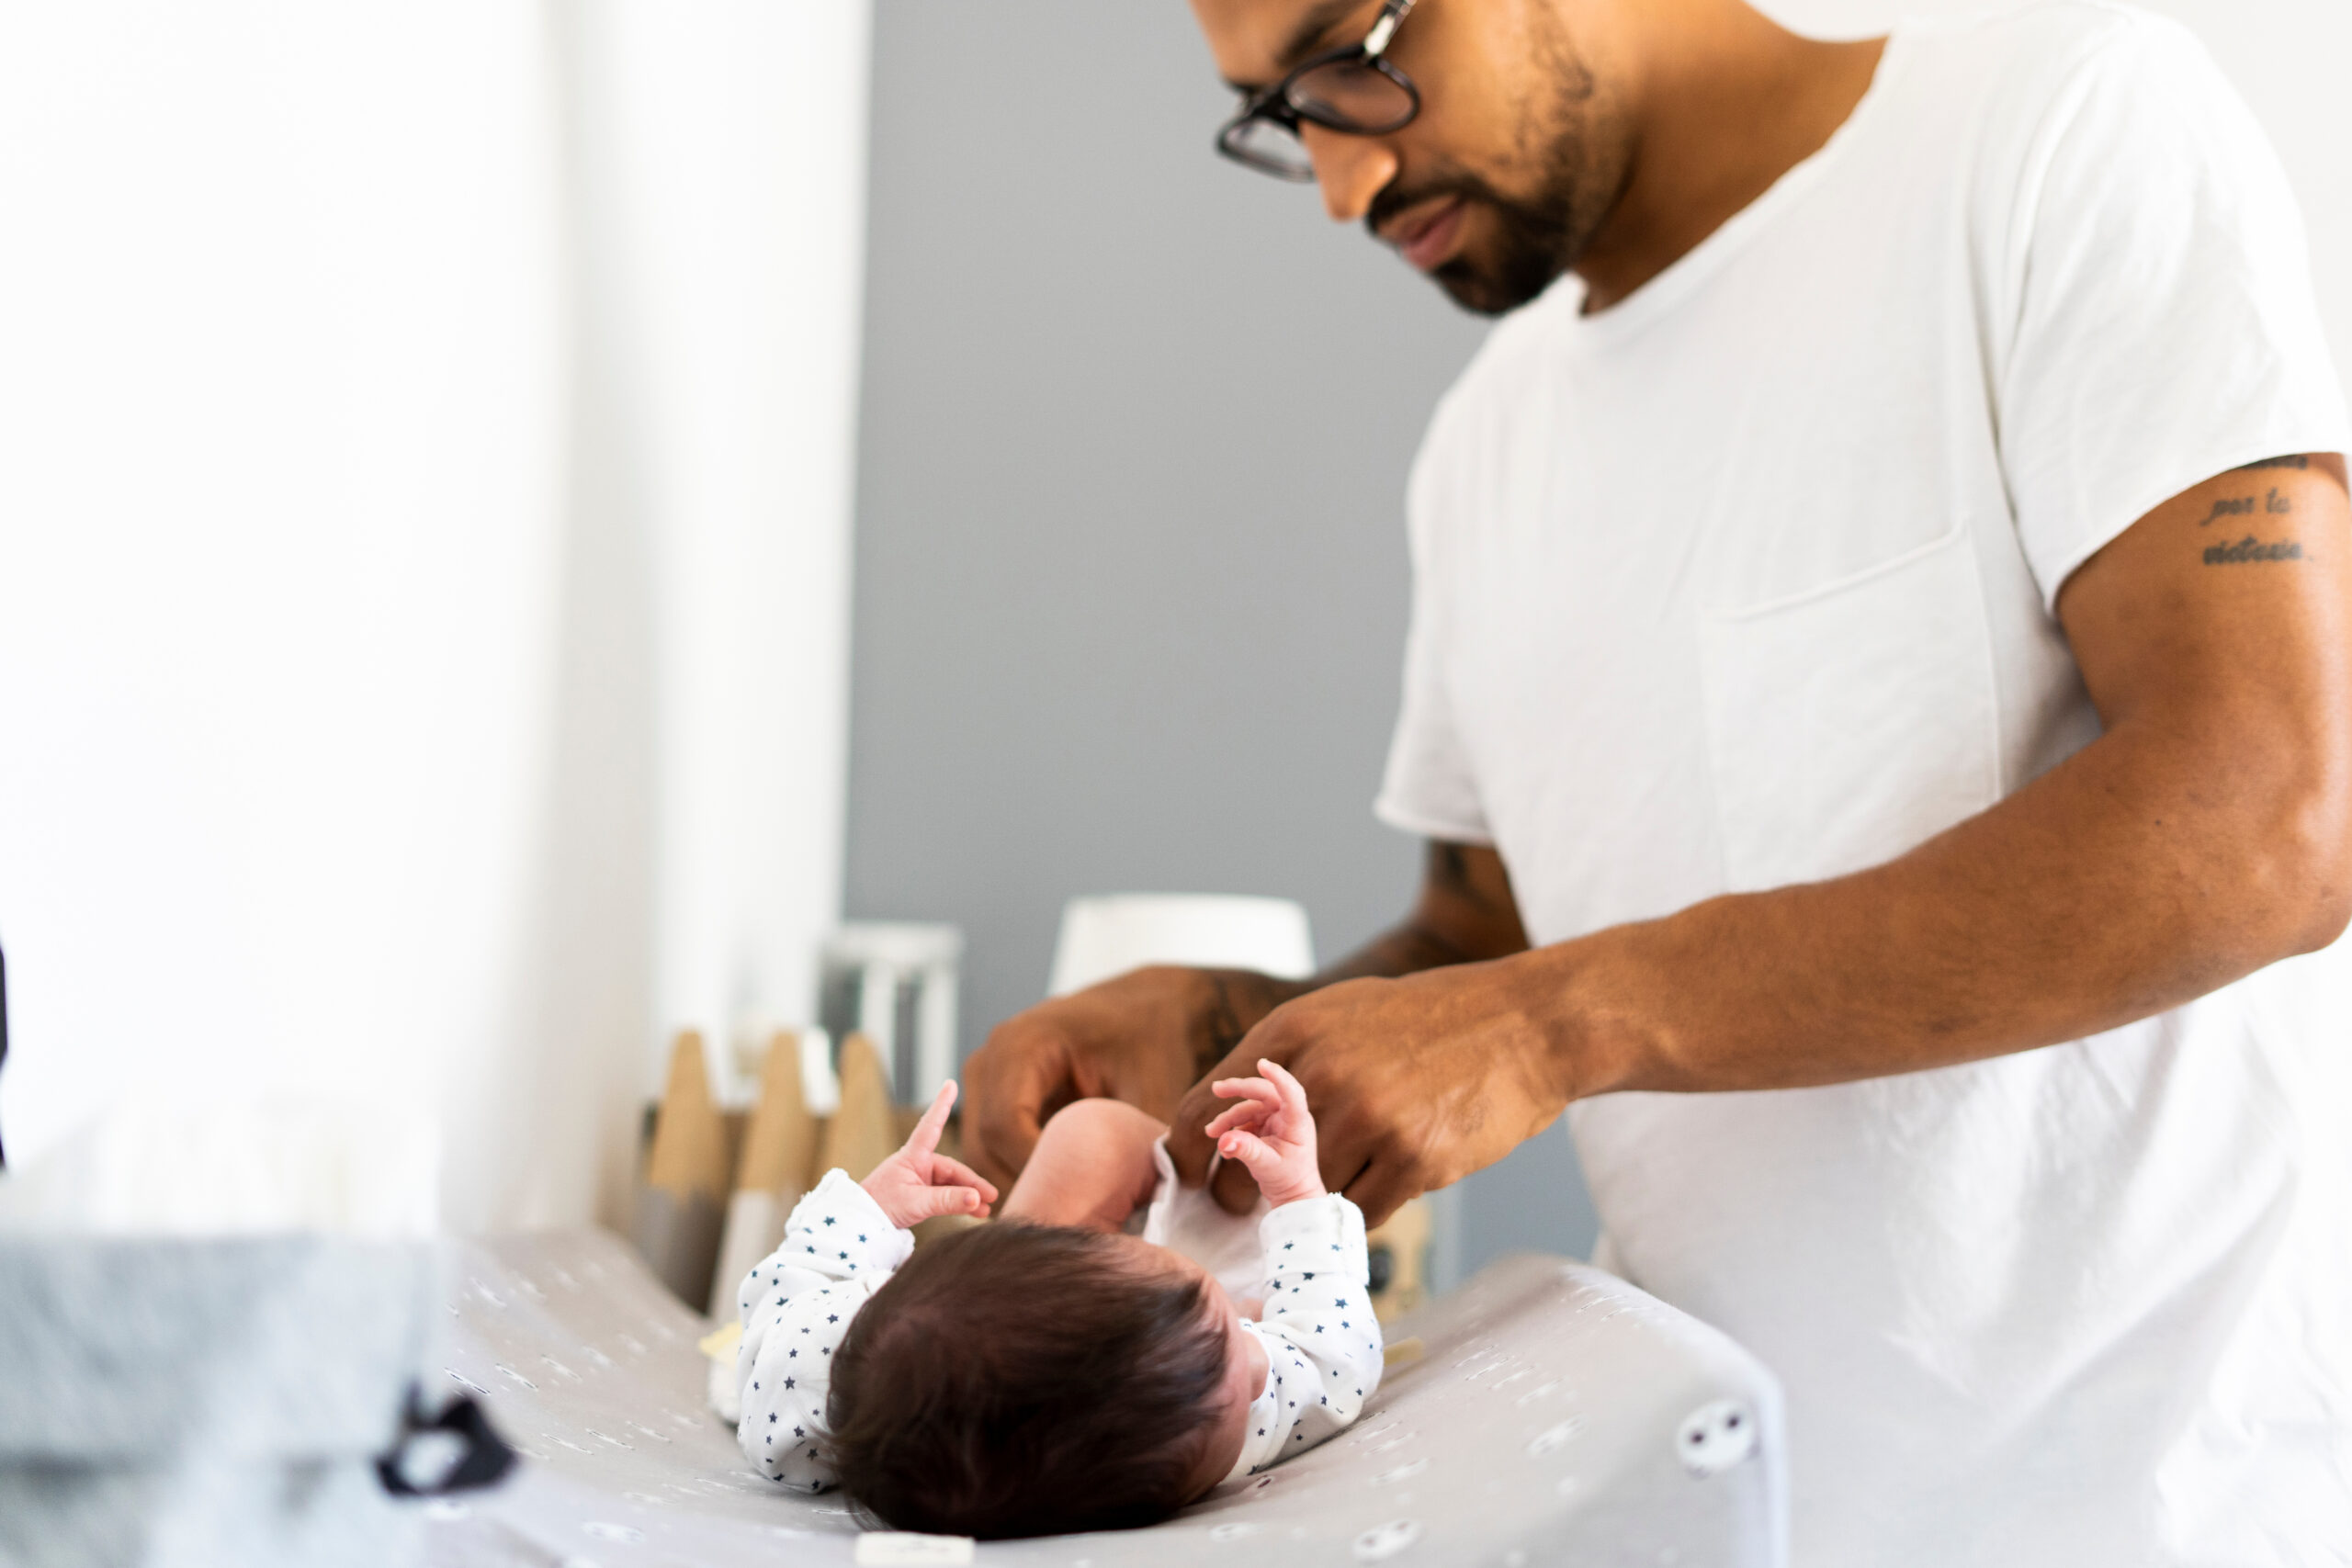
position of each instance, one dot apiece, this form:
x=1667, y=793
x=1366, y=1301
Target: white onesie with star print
x=1322, y=1343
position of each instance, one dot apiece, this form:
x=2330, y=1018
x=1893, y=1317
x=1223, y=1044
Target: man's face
x=1517, y=157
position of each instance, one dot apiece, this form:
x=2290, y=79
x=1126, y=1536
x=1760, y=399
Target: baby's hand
x=1272, y=1132
x=916, y=1184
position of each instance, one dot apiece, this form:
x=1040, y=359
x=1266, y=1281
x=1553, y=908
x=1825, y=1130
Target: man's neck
x=1729, y=102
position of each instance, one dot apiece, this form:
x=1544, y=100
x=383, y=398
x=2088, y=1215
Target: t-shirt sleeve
x=2157, y=286
x=1429, y=788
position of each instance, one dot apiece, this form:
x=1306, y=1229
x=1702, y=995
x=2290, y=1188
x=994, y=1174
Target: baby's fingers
x=1288, y=1091
x=956, y=1173
x=925, y=1137
x=1248, y=1114
x=929, y=1202
x=1251, y=1150
x=1257, y=1090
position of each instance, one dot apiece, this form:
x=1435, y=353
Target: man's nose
x=1351, y=170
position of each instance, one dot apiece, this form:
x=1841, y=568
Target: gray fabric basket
x=168, y=1403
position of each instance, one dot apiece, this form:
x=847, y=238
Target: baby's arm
x=1322, y=1341
x=843, y=1240
x=1093, y=1166
x=1319, y=1329
x=838, y=1249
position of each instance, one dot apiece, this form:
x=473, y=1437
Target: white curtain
x=422, y=587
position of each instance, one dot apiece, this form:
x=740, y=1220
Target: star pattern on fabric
x=1303, y=1305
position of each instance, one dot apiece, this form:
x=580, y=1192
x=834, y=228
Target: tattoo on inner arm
x=2252, y=550
x=2272, y=504
x=2298, y=461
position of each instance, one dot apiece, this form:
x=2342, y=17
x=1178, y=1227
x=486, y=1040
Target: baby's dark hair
x=1017, y=1380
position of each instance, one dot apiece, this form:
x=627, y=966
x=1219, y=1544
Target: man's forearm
x=1465, y=913
x=2133, y=878
x=2206, y=833
x=1407, y=948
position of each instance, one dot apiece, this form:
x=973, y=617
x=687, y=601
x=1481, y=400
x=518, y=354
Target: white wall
x=402, y=554
x=2289, y=57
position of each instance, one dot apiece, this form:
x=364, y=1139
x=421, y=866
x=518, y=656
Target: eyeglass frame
x=1273, y=102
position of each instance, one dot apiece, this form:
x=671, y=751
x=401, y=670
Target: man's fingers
x=925, y=1137
x=1235, y=1189
x=1189, y=1143
x=1004, y=1113
x=1380, y=1190
x=959, y=1174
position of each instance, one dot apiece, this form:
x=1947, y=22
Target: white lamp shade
x=1109, y=936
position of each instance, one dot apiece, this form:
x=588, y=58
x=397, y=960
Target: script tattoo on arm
x=2299, y=460
x=2240, y=551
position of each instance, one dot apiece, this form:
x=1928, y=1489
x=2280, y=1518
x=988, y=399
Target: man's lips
x=1424, y=236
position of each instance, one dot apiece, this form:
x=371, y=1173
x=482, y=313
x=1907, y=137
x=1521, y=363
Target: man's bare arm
x=2207, y=832
x=1464, y=913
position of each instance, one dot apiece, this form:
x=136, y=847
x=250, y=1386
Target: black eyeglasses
x=1355, y=90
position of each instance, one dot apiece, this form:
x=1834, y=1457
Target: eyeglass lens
x=1268, y=144
x=1353, y=95
x=1346, y=95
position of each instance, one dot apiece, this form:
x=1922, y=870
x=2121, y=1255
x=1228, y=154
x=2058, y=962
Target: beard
x=1573, y=158
x=1533, y=238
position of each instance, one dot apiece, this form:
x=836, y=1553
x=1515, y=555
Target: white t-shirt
x=1749, y=581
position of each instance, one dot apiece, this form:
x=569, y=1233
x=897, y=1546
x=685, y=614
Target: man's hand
x=1422, y=1081
x=1271, y=1133
x=1145, y=1038
x=918, y=1183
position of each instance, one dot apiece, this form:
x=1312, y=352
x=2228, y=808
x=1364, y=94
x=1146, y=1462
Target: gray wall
x=1131, y=576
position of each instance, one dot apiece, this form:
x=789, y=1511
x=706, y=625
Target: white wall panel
x=425, y=447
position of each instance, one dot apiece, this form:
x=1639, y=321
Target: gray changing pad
x=1556, y=1414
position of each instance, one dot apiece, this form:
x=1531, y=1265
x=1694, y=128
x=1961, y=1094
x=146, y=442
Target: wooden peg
x=683, y=1203
x=779, y=1148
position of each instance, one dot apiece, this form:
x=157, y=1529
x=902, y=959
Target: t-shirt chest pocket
x=1851, y=721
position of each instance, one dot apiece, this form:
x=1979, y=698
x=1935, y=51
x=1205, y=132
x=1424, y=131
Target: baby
x=1053, y=1373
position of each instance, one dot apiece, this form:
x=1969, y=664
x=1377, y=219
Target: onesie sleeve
x=838, y=1250
x=1322, y=1342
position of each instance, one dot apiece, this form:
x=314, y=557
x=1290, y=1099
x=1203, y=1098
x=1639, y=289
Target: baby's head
x=1018, y=1380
